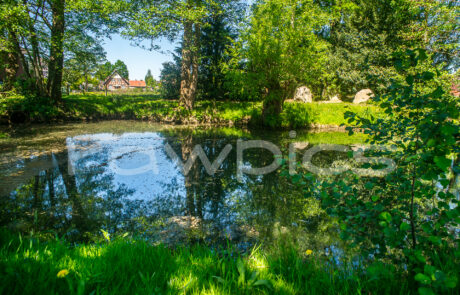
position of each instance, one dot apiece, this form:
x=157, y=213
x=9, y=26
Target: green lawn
x=139, y=106
x=127, y=266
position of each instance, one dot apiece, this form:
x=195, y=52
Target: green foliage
x=410, y=216
x=218, y=34
x=153, y=107
x=170, y=79
x=19, y=109
x=278, y=52
x=121, y=68
x=82, y=60
x=363, y=42
x=149, y=81
x=370, y=31
x=104, y=70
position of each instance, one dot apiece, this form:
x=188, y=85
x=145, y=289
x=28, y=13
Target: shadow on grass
x=125, y=266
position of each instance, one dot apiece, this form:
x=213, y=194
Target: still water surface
x=74, y=180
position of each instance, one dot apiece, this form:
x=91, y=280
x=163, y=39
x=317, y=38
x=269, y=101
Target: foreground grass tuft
x=124, y=266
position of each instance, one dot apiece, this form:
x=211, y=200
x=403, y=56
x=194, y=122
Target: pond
x=75, y=180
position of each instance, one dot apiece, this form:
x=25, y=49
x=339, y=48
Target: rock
x=363, y=96
x=335, y=99
x=303, y=94
x=301, y=145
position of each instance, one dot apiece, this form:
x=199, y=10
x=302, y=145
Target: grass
x=298, y=114
x=142, y=106
x=128, y=266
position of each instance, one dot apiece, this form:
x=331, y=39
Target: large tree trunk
x=56, y=62
x=272, y=107
x=190, y=64
x=185, y=74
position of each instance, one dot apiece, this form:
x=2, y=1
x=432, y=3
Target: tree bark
x=190, y=64
x=56, y=62
x=273, y=105
x=185, y=65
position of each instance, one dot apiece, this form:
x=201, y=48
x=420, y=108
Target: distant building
x=137, y=84
x=115, y=82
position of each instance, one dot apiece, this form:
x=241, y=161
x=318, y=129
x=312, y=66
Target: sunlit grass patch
x=126, y=266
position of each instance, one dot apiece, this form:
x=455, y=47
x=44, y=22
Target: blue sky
x=137, y=59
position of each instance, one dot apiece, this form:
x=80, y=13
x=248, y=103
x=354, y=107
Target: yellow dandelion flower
x=62, y=273
x=309, y=252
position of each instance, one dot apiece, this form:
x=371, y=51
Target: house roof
x=111, y=75
x=136, y=83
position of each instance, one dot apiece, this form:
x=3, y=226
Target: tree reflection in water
x=77, y=201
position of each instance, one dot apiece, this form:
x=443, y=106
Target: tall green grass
x=127, y=266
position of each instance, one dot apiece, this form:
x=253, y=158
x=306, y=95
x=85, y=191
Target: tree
x=220, y=31
x=171, y=19
x=410, y=215
x=104, y=70
x=56, y=61
x=279, y=51
x=83, y=58
x=122, y=69
x=366, y=35
x=149, y=81
x=36, y=32
x=170, y=80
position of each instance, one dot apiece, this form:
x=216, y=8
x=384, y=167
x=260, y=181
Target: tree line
x=228, y=48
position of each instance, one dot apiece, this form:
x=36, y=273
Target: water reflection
x=82, y=188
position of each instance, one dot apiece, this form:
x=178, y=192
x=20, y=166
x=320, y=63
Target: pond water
x=74, y=180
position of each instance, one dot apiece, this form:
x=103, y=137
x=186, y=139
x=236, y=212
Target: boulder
x=303, y=94
x=363, y=96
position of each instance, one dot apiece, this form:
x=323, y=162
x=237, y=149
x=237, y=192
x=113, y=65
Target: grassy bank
x=126, y=266
x=153, y=108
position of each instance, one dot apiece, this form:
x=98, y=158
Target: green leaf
x=451, y=282
x=442, y=162
x=429, y=269
x=435, y=240
x=420, y=257
x=404, y=226
x=448, y=129
x=375, y=198
x=431, y=143
x=385, y=216
x=422, y=278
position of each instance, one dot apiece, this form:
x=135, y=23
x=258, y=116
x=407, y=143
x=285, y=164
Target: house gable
x=115, y=81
